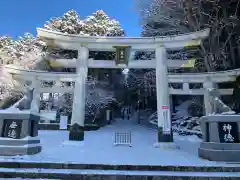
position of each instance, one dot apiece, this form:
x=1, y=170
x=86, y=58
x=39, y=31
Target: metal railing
x=123, y=138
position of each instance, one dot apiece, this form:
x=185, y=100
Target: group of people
x=126, y=112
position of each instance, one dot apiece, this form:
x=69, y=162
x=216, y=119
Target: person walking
x=126, y=113
x=129, y=112
x=123, y=113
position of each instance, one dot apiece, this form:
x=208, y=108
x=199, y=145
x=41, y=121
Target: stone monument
x=221, y=132
x=221, y=138
x=19, y=130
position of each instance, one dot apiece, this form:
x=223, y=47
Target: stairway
x=112, y=172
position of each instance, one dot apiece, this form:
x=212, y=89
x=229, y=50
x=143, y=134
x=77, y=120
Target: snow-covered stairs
x=68, y=171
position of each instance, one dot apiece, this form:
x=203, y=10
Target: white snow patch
x=98, y=148
x=24, y=146
x=188, y=144
x=23, y=139
x=73, y=143
x=13, y=110
x=229, y=112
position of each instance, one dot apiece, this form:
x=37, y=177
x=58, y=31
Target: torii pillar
x=165, y=135
x=78, y=109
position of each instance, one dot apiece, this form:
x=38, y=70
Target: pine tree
x=30, y=52
x=163, y=18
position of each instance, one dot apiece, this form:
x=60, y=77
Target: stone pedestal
x=76, y=133
x=221, y=138
x=19, y=134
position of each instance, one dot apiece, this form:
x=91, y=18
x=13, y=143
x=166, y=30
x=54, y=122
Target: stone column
x=163, y=105
x=171, y=104
x=35, y=103
x=78, y=108
x=208, y=84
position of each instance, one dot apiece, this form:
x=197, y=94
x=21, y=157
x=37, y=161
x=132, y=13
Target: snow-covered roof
x=72, y=41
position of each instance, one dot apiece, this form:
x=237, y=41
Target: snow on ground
x=98, y=148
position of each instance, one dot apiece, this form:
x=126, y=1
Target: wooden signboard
x=122, y=54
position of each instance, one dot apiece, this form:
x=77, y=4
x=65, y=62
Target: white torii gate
x=85, y=43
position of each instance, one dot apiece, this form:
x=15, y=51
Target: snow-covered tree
x=221, y=50
x=6, y=84
x=5, y=42
x=31, y=53
x=97, y=98
x=25, y=52
x=69, y=23
x=163, y=17
x=98, y=24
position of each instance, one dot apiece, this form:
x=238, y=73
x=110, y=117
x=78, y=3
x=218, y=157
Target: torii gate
x=85, y=43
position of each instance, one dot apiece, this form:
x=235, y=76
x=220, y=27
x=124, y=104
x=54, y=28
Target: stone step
x=50, y=170
x=88, y=174
x=51, y=165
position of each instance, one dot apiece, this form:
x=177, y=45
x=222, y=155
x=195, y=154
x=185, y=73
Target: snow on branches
x=222, y=17
x=97, y=98
x=7, y=84
x=69, y=23
x=219, y=51
x=166, y=18
x=98, y=24
x=24, y=52
x=162, y=17
x=5, y=41
x=29, y=52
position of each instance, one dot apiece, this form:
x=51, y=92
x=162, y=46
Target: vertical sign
x=12, y=128
x=63, y=122
x=228, y=132
x=122, y=54
x=166, y=120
